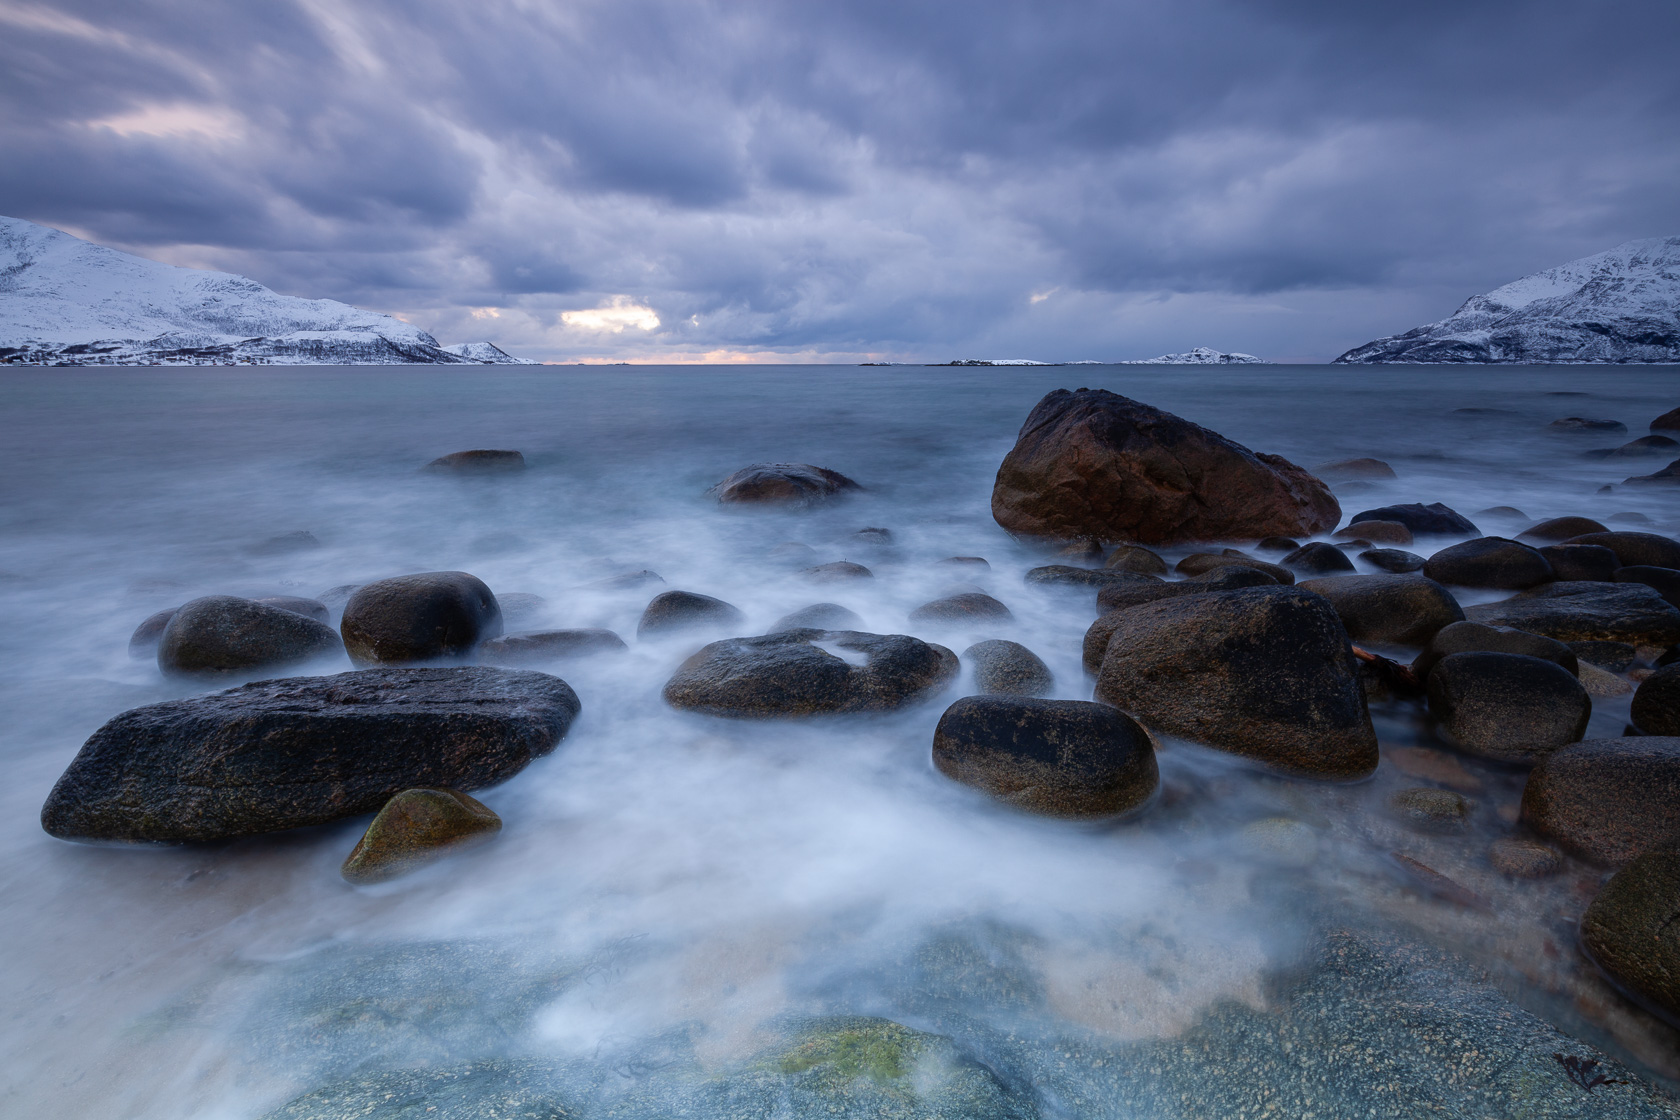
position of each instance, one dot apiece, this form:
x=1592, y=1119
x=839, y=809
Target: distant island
x=1621, y=307
x=1200, y=356
x=68, y=302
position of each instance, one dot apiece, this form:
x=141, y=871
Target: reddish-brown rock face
x=1097, y=465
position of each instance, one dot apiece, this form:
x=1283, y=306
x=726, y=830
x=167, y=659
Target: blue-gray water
x=703, y=873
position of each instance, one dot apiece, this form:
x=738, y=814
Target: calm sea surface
x=658, y=872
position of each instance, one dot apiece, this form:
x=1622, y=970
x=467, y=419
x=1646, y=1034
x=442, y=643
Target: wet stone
x=1665, y=581
x=1440, y=767
x=784, y=484
x=478, y=462
x=1343, y=470
x=1577, y=562
x=1607, y=800
x=1202, y=563
x=303, y=751
x=1477, y=637
x=1068, y=576
x=1647, y=549
x=1492, y=562
x=1393, y=560
x=1061, y=758
x=424, y=617
x=1631, y=933
x=672, y=612
x=794, y=674
x=1507, y=706
x=142, y=644
x=1430, y=809
x=1318, y=558
x=1556, y=529
x=970, y=607
x=1008, y=668
x=839, y=571
x=966, y=562
x=223, y=635
x=1617, y=657
x=1403, y=610
x=1277, y=544
x=1596, y=612
x=1656, y=705
x=819, y=616
x=415, y=828
x=1375, y=532
x=534, y=647
x=1136, y=558
x=1521, y=858
x=1423, y=520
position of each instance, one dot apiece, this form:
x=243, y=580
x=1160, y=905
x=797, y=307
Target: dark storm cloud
x=854, y=176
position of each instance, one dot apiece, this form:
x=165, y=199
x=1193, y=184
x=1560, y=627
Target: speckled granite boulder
x=1607, y=800
x=223, y=635
x=415, y=828
x=1631, y=930
x=791, y=674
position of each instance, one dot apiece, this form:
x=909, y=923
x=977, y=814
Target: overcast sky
x=680, y=180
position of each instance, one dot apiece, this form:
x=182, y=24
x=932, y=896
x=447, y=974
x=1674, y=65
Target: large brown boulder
x=1607, y=800
x=1091, y=464
x=1265, y=672
x=1629, y=930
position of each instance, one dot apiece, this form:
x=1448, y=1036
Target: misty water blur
x=678, y=871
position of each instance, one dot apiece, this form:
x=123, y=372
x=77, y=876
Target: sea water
x=663, y=874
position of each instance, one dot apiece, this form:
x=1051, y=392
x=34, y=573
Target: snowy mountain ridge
x=1199, y=356
x=65, y=301
x=1616, y=307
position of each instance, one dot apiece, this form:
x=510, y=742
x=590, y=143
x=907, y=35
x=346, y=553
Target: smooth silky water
x=668, y=887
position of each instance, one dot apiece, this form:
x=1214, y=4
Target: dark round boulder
x=1478, y=637
x=971, y=608
x=1136, y=558
x=1507, y=706
x=1644, y=447
x=415, y=828
x=534, y=647
x=1607, y=800
x=1395, y=560
x=1556, y=529
x=1060, y=758
x=1648, y=549
x=1666, y=581
x=1008, y=668
x=1318, y=558
x=220, y=635
x=1423, y=520
x=1583, y=424
x=838, y=571
x=671, y=612
x=1111, y=600
x=308, y=608
x=303, y=751
x=1388, y=609
x=874, y=537
x=1375, y=532
x=1201, y=563
x=818, y=616
x=143, y=642
x=1667, y=476
x=1587, y=612
x=1576, y=563
x=1667, y=422
x=1656, y=704
x=1263, y=672
x=1489, y=562
x=979, y=562
x=1094, y=465
x=1277, y=545
x=478, y=462
x=797, y=484
x=421, y=617
x=1631, y=933
x=791, y=674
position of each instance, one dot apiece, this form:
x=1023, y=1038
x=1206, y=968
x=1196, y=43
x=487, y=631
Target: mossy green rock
x=417, y=827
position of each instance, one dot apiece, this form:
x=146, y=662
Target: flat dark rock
x=478, y=462
x=303, y=751
x=781, y=484
x=1423, y=520
x=1587, y=612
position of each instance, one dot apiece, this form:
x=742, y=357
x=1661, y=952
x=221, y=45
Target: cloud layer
x=677, y=179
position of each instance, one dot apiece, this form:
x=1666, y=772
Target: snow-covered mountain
x=1622, y=306
x=64, y=301
x=488, y=354
x=1200, y=356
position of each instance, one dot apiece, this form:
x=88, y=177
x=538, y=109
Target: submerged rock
x=1008, y=668
x=1136, y=558
x=1112, y=600
x=1318, y=558
x=415, y=828
x=1556, y=529
x=1575, y=563
x=1344, y=470
x=424, y=617
x=489, y=1089
x=302, y=751
x=144, y=641
x=1587, y=612
x=1066, y=576
x=220, y=635
x=839, y=571
x=1507, y=706
x=798, y=484
x=1631, y=933
x=1375, y=532
x=1061, y=758
x=971, y=607
x=1394, y=560
x=537, y=646
x=1607, y=800
x=1430, y=809
x=791, y=674
x=1264, y=672
x=1202, y=563
x=308, y=608
x=1636, y=548
x=1398, y=609
x=674, y=611
x=1094, y=465
x=478, y=462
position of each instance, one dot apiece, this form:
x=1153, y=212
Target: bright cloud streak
x=617, y=316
